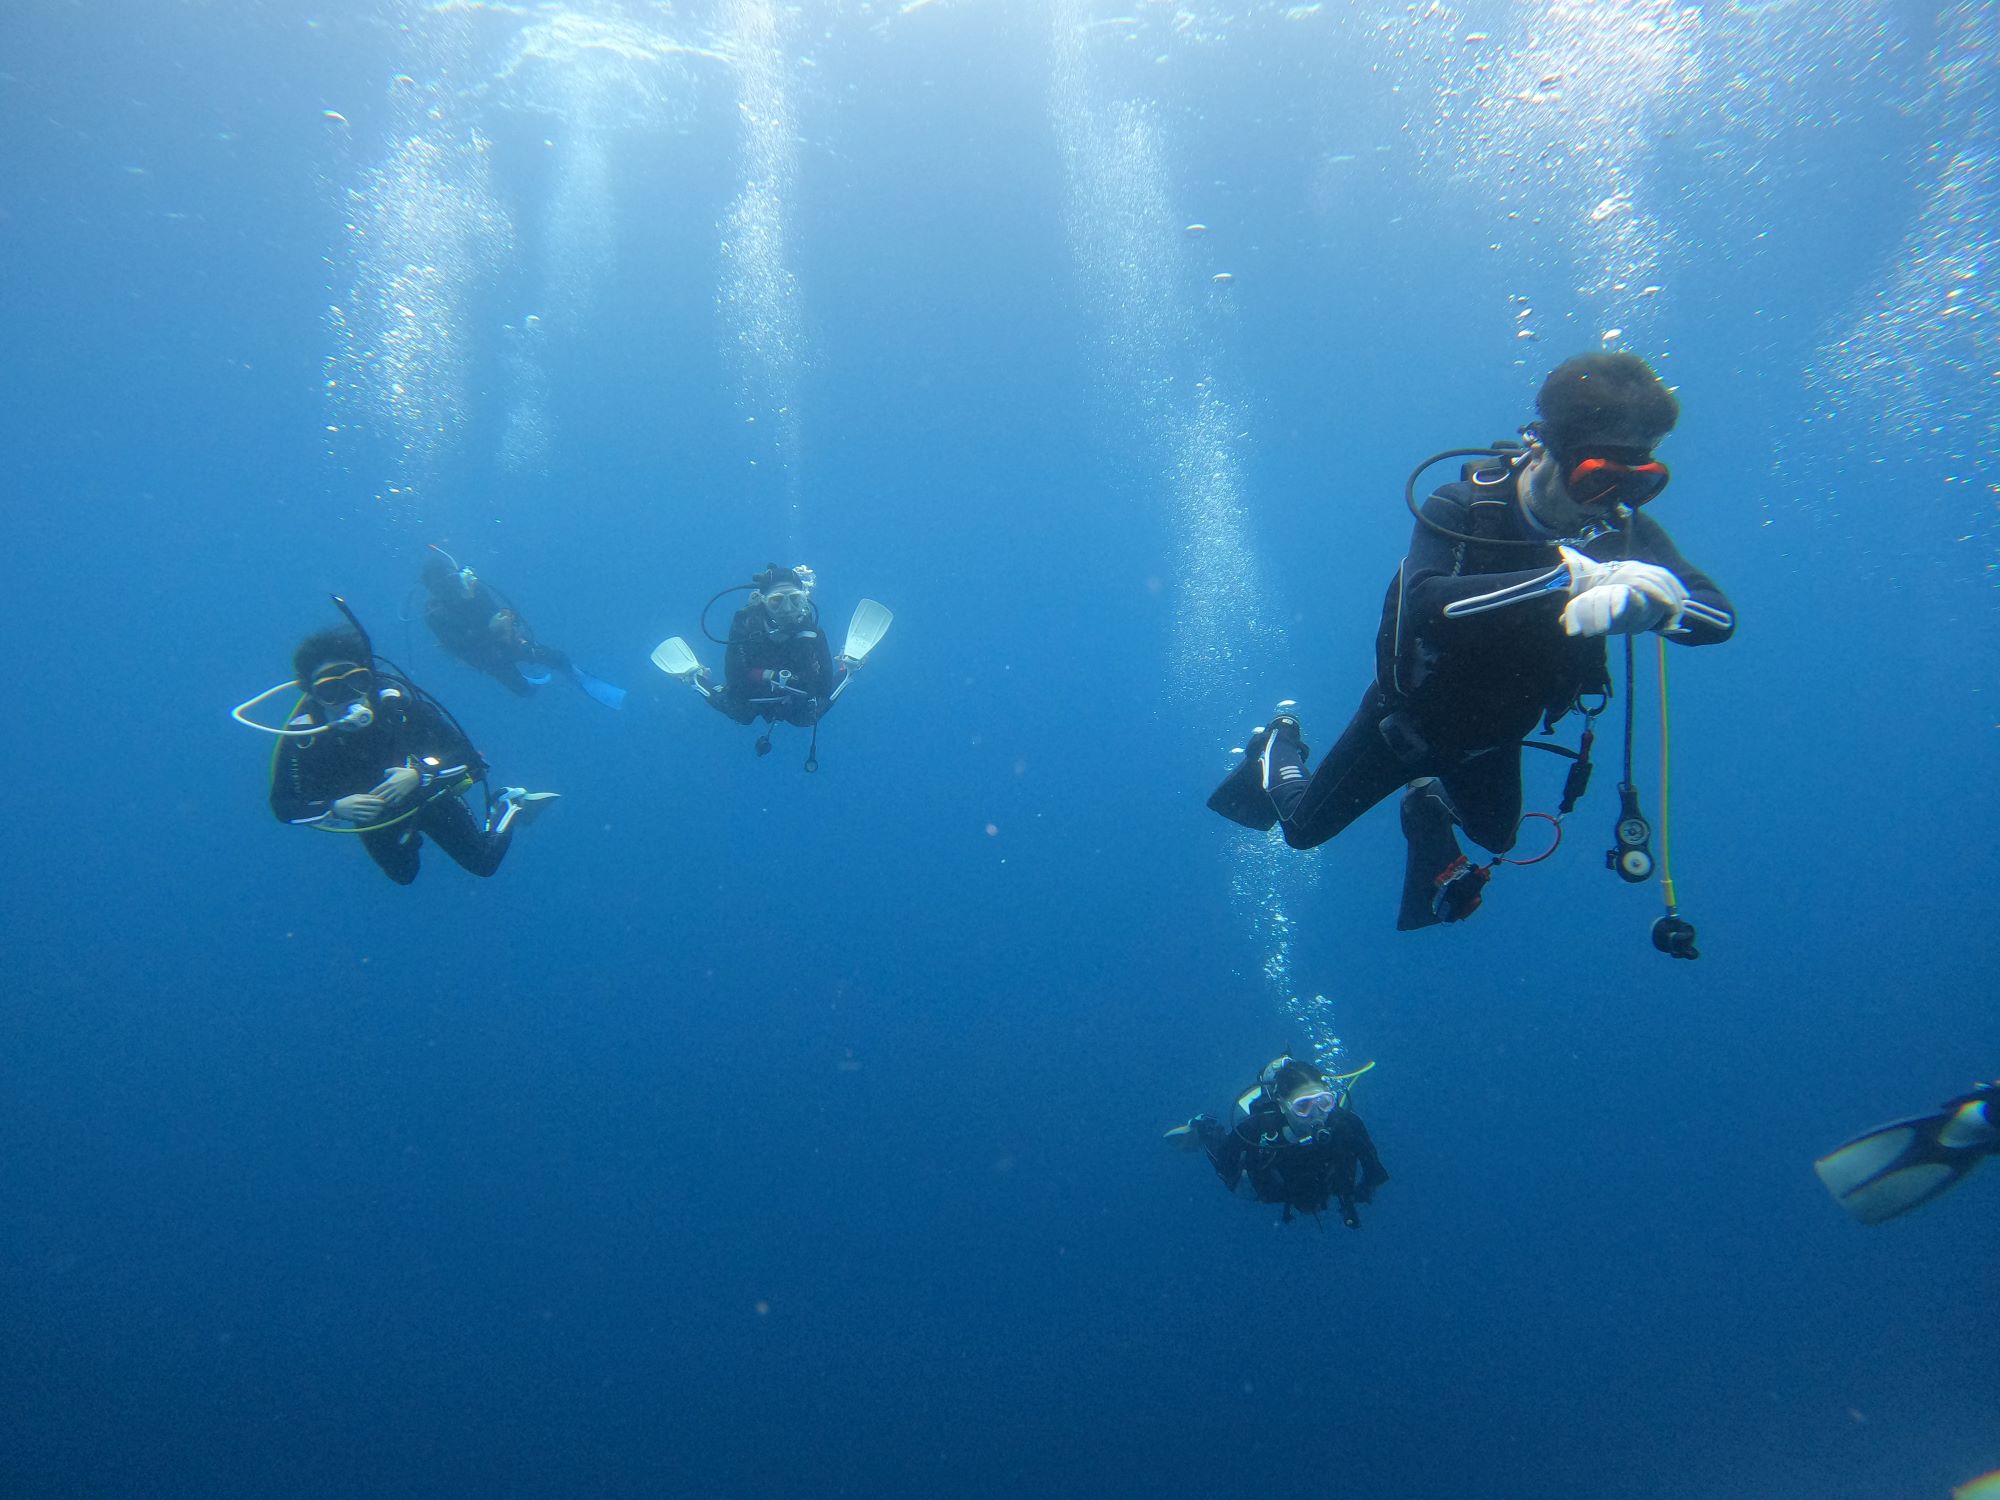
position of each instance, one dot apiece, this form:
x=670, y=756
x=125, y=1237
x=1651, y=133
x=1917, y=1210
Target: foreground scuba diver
x=1495, y=622
x=1295, y=1140
x=477, y=624
x=1907, y=1163
x=778, y=665
x=367, y=752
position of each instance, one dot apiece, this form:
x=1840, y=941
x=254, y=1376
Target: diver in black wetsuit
x=476, y=624
x=1495, y=622
x=779, y=665
x=1295, y=1141
x=368, y=753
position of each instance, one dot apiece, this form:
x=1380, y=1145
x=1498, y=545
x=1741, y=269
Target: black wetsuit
x=464, y=626
x=1454, y=698
x=311, y=774
x=751, y=688
x=1335, y=1163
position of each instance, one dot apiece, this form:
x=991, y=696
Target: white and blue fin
x=1898, y=1167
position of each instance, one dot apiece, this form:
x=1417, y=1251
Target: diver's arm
x=1430, y=584
x=822, y=660
x=1373, y=1173
x=1709, y=618
x=297, y=794
x=725, y=702
x=820, y=673
x=1224, y=1148
x=426, y=734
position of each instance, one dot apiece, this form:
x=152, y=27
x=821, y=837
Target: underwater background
x=757, y=1132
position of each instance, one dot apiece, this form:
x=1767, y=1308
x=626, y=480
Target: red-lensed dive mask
x=1613, y=476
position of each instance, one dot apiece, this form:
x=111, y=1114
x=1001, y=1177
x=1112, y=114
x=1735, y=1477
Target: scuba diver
x=368, y=752
x=480, y=626
x=777, y=665
x=1294, y=1139
x=1496, y=621
x=1907, y=1163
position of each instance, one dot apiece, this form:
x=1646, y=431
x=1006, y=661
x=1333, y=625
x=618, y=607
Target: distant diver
x=777, y=664
x=480, y=626
x=1908, y=1163
x=1495, y=622
x=366, y=751
x=1294, y=1139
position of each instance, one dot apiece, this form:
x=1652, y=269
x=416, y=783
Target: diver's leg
x=1482, y=795
x=1485, y=796
x=509, y=678
x=395, y=850
x=459, y=834
x=1358, y=772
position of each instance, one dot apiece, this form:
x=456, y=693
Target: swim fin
x=1903, y=1165
x=533, y=673
x=870, y=622
x=598, y=688
x=676, y=658
x=1244, y=795
x=516, y=806
x=1434, y=867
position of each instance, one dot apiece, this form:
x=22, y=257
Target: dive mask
x=787, y=607
x=1308, y=1107
x=340, y=690
x=1613, y=476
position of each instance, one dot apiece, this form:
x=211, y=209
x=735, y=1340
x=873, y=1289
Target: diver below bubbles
x=479, y=625
x=1294, y=1140
x=1496, y=621
x=366, y=751
x=777, y=664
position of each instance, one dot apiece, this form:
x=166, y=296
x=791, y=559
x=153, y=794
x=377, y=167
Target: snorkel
x=358, y=714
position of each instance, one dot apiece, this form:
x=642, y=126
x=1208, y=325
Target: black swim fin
x=1439, y=885
x=1905, y=1164
x=1242, y=797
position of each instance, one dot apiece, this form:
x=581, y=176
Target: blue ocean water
x=754, y=1130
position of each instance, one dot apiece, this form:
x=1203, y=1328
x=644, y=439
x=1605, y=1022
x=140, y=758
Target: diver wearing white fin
x=1294, y=1139
x=777, y=665
x=1905, y=1164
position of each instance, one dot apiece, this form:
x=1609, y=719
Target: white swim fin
x=676, y=658
x=865, y=631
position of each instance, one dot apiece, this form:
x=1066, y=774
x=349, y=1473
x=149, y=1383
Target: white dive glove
x=1620, y=598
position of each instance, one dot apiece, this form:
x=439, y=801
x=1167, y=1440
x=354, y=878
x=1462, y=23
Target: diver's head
x=788, y=606
x=333, y=668
x=446, y=580
x=785, y=597
x=1301, y=1092
x=1598, y=419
